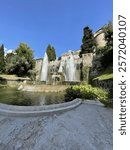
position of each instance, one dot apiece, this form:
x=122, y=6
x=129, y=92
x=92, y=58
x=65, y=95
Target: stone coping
x=13, y=78
x=43, y=88
x=30, y=111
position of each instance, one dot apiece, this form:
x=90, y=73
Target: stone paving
x=87, y=127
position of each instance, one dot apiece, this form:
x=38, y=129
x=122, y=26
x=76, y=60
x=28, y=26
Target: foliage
x=24, y=51
x=107, y=103
x=108, y=30
x=100, y=51
x=10, y=62
x=18, y=65
x=86, y=92
x=21, y=61
x=108, y=69
x=9, y=57
x=51, y=53
x=107, y=51
x=107, y=58
x=104, y=77
x=59, y=58
x=2, y=61
x=88, y=41
x=84, y=73
x=103, y=64
x=106, y=74
x=84, y=83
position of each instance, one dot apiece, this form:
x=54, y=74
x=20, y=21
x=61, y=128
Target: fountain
x=44, y=70
x=58, y=71
x=70, y=68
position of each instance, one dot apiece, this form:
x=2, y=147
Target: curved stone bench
x=28, y=111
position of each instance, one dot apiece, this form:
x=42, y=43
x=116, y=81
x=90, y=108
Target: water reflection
x=15, y=97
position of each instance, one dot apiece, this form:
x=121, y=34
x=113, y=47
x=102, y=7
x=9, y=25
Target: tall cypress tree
x=88, y=41
x=2, y=61
x=54, y=53
x=51, y=53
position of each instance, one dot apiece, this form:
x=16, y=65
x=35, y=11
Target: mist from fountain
x=44, y=70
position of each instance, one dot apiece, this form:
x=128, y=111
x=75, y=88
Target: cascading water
x=70, y=69
x=44, y=70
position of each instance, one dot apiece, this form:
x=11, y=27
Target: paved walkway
x=87, y=127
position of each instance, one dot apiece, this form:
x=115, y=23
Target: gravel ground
x=87, y=127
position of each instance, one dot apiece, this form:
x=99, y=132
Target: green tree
x=2, y=61
x=88, y=41
x=51, y=53
x=9, y=62
x=108, y=31
x=24, y=51
x=107, y=51
x=21, y=62
x=9, y=57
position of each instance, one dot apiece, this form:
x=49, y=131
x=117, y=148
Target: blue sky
x=58, y=22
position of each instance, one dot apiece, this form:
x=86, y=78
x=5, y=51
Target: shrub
x=86, y=92
x=108, y=102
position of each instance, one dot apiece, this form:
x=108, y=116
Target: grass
x=104, y=77
x=106, y=74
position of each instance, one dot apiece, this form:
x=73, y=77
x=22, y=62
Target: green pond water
x=14, y=97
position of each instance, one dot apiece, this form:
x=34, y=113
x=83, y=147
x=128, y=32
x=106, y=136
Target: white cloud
x=6, y=50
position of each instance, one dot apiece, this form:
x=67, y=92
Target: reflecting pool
x=13, y=96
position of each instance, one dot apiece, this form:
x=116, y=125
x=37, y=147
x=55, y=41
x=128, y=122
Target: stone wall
x=99, y=36
x=38, y=67
x=14, y=83
x=87, y=59
x=96, y=64
x=107, y=84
